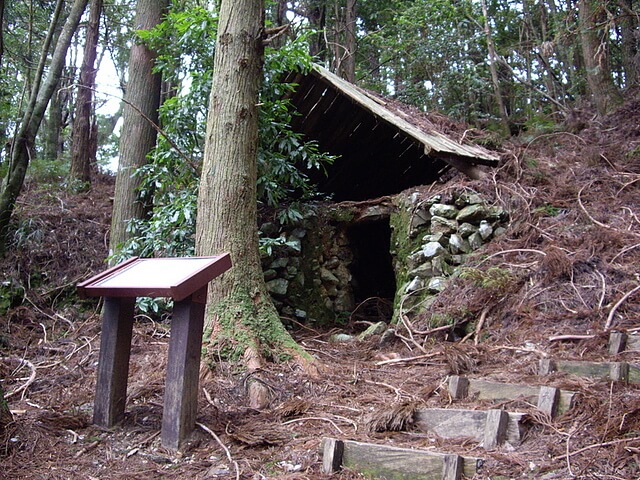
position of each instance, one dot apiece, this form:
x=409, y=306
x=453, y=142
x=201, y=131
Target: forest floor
x=571, y=252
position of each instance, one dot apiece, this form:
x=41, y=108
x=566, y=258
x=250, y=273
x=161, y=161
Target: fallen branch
x=600, y=224
x=607, y=326
x=323, y=419
x=596, y=445
x=405, y=360
x=23, y=363
x=223, y=446
x=560, y=338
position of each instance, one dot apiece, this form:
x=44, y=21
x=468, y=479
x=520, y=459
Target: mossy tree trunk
x=241, y=318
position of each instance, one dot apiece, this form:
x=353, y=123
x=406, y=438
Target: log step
x=550, y=400
x=622, y=342
x=490, y=427
x=609, y=371
x=390, y=463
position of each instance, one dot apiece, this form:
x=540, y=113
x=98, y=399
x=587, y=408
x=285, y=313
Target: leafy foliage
x=185, y=43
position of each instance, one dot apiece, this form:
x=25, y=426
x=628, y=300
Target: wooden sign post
x=185, y=280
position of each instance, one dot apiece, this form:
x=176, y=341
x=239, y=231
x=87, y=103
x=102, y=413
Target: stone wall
x=433, y=237
x=308, y=266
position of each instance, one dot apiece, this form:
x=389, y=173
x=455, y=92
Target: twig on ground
x=597, y=445
x=600, y=224
x=560, y=338
x=223, y=446
x=623, y=251
x=476, y=332
x=323, y=419
x=513, y=250
x=30, y=380
x=84, y=450
x=406, y=360
x=520, y=349
x=607, y=326
x=604, y=289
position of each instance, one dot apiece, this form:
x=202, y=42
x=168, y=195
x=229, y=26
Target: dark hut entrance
x=374, y=281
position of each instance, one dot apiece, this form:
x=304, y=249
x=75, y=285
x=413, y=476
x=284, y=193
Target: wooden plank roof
x=381, y=152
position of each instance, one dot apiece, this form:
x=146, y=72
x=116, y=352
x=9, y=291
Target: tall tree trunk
x=23, y=143
x=1, y=30
x=347, y=66
x=493, y=67
x=138, y=138
x=631, y=55
x=595, y=52
x=83, y=153
x=241, y=316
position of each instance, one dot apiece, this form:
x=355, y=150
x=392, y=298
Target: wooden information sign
x=185, y=280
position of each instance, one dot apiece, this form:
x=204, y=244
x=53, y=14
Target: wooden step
x=609, y=371
x=389, y=462
x=622, y=342
x=550, y=400
x=490, y=427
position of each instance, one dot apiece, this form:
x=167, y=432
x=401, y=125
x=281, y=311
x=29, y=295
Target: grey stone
x=475, y=241
x=440, y=266
x=269, y=229
x=299, y=232
x=279, y=263
x=443, y=210
x=344, y=301
x=270, y=274
x=436, y=284
x=458, y=259
x=497, y=214
x=332, y=263
x=278, y=286
x=375, y=329
x=300, y=279
x=472, y=213
x=499, y=231
x=436, y=237
x=415, y=196
x=457, y=244
x=443, y=225
x=415, y=259
x=341, y=338
x=466, y=229
x=432, y=249
x=327, y=277
x=300, y=313
x=290, y=272
x=485, y=230
x=468, y=198
x=422, y=271
x=414, y=285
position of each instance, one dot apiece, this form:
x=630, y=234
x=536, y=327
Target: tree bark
x=83, y=153
x=138, y=134
x=241, y=317
x=595, y=47
x=23, y=143
x=347, y=64
x=493, y=61
x=631, y=55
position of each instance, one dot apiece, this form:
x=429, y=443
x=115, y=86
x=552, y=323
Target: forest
x=167, y=128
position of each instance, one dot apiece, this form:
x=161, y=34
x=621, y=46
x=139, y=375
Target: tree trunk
x=347, y=65
x=493, y=67
x=241, y=318
x=23, y=142
x=1, y=30
x=142, y=99
x=595, y=52
x=630, y=53
x=83, y=153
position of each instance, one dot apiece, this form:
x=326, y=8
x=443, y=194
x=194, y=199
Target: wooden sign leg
x=113, y=362
x=183, y=366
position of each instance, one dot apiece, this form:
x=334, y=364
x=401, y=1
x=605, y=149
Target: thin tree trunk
x=630, y=52
x=596, y=56
x=348, y=62
x=241, y=315
x=138, y=134
x=83, y=153
x=23, y=143
x=1, y=30
x=493, y=60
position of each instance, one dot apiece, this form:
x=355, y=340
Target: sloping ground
x=568, y=265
